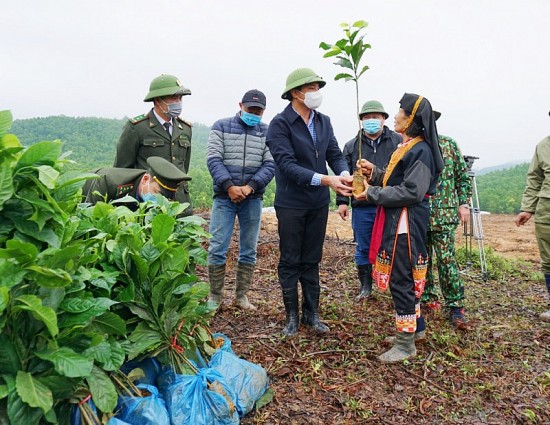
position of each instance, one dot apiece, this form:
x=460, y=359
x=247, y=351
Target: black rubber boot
x=365, y=277
x=290, y=299
x=310, y=308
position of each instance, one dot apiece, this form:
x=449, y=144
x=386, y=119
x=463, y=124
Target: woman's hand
x=366, y=167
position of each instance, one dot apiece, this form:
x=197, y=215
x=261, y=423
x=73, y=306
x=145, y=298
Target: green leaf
x=99, y=306
x=19, y=412
x=60, y=386
x=333, y=52
x=342, y=44
x=162, y=228
x=10, y=363
x=103, y=390
x=266, y=398
x=325, y=46
x=143, y=339
x=45, y=314
x=6, y=183
x=109, y=323
x=3, y=391
x=363, y=71
x=33, y=392
x=40, y=153
x=4, y=298
x=140, y=312
x=109, y=353
x=47, y=175
x=67, y=362
x=360, y=24
x=6, y=120
x=11, y=143
x=50, y=278
x=11, y=273
x=76, y=305
x=345, y=76
x=345, y=63
x=23, y=252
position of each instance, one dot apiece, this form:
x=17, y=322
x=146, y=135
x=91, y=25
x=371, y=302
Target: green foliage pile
x=82, y=290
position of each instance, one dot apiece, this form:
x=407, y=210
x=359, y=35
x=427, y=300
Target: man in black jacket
x=377, y=144
x=302, y=143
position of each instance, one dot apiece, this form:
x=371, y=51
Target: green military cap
x=300, y=77
x=167, y=175
x=165, y=85
x=373, y=107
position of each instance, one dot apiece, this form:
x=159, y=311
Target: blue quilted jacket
x=237, y=155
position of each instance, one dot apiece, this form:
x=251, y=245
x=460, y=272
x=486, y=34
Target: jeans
x=222, y=222
x=362, y=223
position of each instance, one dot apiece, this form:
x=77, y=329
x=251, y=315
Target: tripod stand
x=474, y=229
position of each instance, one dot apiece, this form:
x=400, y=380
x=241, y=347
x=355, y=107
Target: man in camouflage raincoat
x=448, y=208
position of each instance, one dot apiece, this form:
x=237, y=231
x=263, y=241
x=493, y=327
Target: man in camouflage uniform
x=160, y=178
x=161, y=132
x=536, y=201
x=448, y=207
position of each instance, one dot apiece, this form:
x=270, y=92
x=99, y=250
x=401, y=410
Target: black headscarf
x=424, y=116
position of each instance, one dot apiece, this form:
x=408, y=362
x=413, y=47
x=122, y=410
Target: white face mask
x=313, y=99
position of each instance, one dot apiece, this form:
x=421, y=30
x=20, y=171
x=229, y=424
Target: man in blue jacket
x=241, y=168
x=302, y=143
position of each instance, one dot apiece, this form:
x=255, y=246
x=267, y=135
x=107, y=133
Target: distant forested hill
x=93, y=141
x=501, y=191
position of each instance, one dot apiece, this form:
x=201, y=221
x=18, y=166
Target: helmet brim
x=302, y=82
x=167, y=91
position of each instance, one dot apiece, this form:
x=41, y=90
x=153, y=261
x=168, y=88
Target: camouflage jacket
x=454, y=187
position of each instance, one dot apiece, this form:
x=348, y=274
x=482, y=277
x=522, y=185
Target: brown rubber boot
x=244, y=278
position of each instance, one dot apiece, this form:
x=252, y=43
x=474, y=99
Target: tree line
x=92, y=143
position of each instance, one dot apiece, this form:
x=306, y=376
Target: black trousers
x=401, y=280
x=301, y=238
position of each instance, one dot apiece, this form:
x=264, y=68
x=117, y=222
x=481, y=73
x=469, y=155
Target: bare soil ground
x=498, y=372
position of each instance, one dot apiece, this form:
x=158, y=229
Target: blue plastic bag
x=249, y=381
x=115, y=421
x=151, y=368
x=149, y=410
x=202, y=399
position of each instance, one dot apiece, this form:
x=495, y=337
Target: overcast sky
x=485, y=64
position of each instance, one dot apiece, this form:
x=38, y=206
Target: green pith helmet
x=165, y=85
x=373, y=106
x=298, y=78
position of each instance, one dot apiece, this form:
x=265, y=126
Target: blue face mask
x=250, y=119
x=174, y=109
x=148, y=197
x=372, y=125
